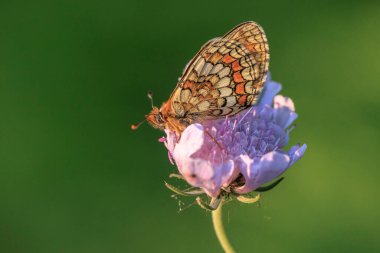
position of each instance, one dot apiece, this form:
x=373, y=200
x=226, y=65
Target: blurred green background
x=74, y=76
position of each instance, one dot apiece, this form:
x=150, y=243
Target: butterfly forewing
x=225, y=77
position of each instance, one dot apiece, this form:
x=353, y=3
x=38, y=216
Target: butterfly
x=225, y=77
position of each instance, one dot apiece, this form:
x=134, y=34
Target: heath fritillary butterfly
x=225, y=77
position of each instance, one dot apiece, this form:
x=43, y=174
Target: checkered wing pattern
x=225, y=77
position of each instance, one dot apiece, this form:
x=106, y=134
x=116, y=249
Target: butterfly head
x=156, y=119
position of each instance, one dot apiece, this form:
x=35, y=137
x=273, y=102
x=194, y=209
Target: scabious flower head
x=238, y=154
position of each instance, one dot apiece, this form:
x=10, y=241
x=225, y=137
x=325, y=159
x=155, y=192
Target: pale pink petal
x=170, y=157
x=281, y=101
x=191, y=141
x=170, y=140
x=267, y=168
x=203, y=174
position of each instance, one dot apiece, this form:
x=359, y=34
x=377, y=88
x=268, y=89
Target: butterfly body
x=225, y=77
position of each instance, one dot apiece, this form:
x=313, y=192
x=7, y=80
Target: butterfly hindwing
x=225, y=77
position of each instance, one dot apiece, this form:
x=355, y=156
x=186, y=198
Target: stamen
x=245, y=114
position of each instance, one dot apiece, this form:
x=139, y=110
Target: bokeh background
x=74, y=76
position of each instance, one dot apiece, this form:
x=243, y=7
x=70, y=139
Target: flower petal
x=191, y=141
x=210, y=177
x=284, y=111
x=271, y=88
x=263, y=170
x=170, y=140
x=195, y=162
x=296, y=153
x=170, y=158
x=281, y=101
x=284, y=117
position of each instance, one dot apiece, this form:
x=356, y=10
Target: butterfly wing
x=225, y=76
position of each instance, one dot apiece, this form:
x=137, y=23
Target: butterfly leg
x=213, y=139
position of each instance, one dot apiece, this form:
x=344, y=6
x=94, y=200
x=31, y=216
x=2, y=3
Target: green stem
x=219, y=230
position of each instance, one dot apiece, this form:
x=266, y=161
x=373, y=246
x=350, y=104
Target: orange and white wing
x=225, y=77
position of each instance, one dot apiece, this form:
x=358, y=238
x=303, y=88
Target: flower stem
x=219, y=230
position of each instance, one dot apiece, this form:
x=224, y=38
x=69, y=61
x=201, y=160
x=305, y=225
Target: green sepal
x=204, y=205
x=195, y=192
x=183, y=193
x=248, y=200
x=178, y=176
x=269, y=187
x=176, y=190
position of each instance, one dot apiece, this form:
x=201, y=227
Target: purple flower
x=238, y=153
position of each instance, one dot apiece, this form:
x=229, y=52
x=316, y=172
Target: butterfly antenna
x=135, y=126
x=150, y=96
